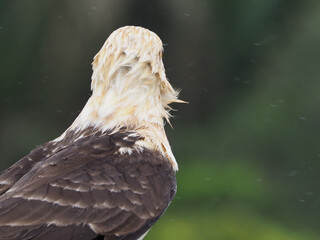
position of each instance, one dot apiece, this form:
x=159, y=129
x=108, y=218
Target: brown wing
x=20, y=168
x=10, y=176
x=87, y=190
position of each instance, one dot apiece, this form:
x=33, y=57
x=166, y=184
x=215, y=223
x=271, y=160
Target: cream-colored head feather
x=130, y=89
x=133, y=53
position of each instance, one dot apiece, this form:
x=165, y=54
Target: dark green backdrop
x=247, y=143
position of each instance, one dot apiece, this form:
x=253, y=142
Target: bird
x=112, y=173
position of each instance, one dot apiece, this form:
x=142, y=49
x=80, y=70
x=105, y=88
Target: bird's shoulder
x=51, y=151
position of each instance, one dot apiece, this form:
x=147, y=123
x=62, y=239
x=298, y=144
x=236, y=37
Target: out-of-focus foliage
x=248, y=141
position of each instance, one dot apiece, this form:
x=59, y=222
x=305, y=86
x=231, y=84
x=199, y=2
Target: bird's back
x=86, y=189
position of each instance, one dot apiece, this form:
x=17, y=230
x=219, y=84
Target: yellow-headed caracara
x=111, y=174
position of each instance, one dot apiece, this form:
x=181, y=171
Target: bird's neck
x=132, y=102
x=131, y=96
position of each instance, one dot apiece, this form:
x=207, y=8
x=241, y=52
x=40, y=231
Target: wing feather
x=90, y=187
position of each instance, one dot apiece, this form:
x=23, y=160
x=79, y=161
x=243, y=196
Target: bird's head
x=125, y=47
x=129, y=77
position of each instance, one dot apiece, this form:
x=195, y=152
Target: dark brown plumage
x=84, y=190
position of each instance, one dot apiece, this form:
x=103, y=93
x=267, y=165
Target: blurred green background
x=247, y=143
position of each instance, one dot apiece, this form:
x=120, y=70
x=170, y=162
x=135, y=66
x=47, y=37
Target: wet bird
x=111, y=174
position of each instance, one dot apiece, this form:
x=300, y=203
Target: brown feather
x=111, y=194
